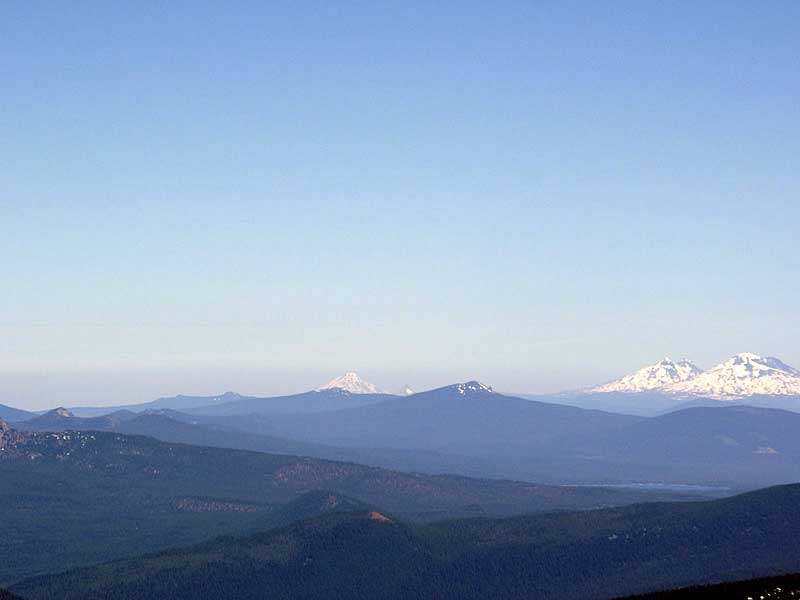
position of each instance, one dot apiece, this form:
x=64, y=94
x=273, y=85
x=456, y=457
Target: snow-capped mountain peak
x=351, y=382
x=472, y=387
x=653, y=377
x=745, y=374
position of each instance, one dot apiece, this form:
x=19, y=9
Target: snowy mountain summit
x=471, y=387
x=351, y=382
x=664, y=373
x=745, y=374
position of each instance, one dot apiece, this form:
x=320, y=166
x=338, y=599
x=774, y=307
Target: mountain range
x=461, y=418
x=179, y=402
x=346, y=391
x=659, y=376
x=316, y=401
x=72, y=498
x=741, y=376
x=664, y=386
x=280, y=479
x=471, y=430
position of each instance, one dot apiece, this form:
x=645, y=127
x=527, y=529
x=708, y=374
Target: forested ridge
x=369, y=554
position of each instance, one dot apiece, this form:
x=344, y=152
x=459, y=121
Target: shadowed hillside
x=370, y=554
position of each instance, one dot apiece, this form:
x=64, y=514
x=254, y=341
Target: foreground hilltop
x=367, y=553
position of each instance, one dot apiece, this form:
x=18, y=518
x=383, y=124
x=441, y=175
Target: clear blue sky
x=258, y=196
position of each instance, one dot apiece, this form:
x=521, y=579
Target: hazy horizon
x=540, y=197
x=42, y=390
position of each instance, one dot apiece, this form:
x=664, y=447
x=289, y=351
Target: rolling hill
x=74, y=498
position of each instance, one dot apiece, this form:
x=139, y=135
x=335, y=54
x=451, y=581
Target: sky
x=197, y=197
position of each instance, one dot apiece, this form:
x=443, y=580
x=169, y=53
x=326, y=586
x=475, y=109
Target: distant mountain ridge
x=330, y=398
x=9, y=413
x=317, y=401
x=744, y=376
x=483, y=434
x=345, y=391
x=60, y=419
x=179, y=402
